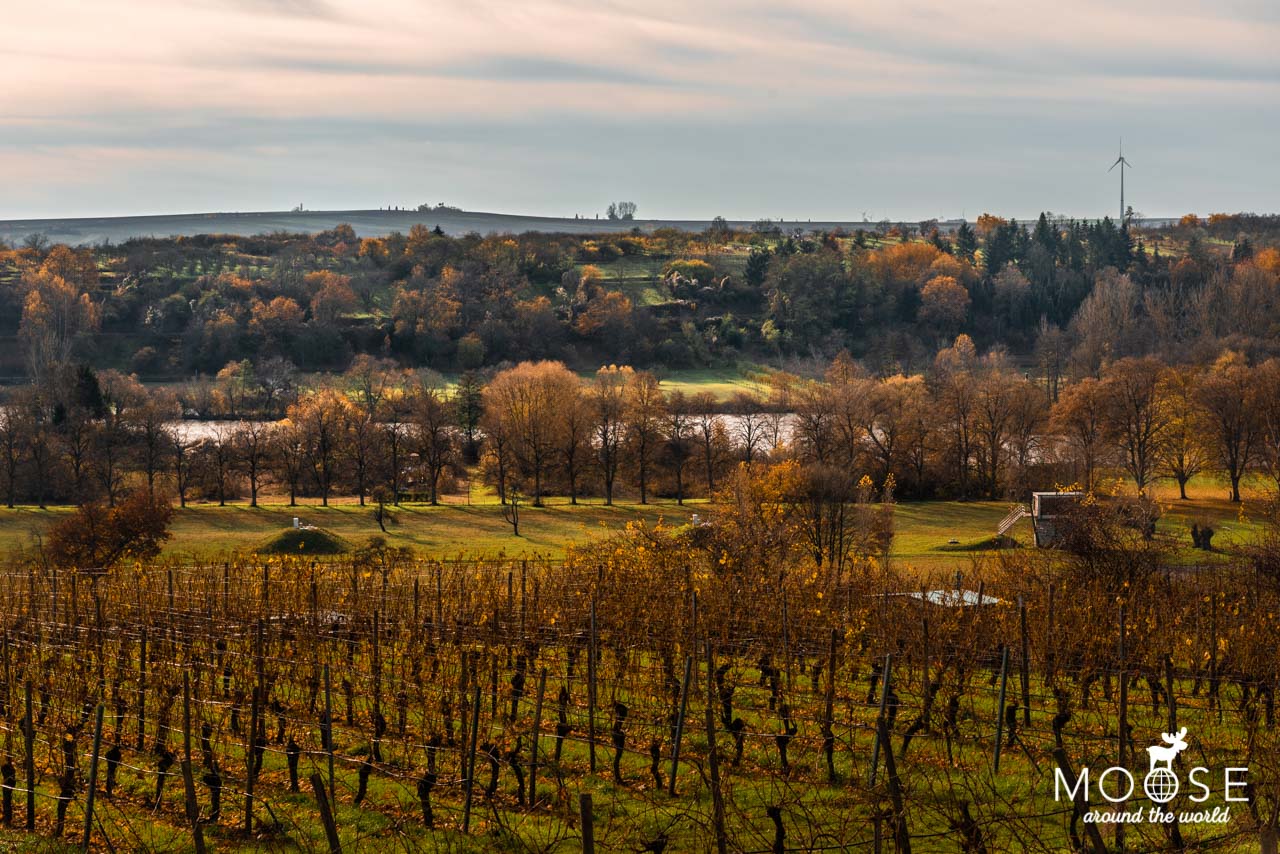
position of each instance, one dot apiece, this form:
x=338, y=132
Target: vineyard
x=389, y=703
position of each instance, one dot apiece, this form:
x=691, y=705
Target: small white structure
x=957, y=598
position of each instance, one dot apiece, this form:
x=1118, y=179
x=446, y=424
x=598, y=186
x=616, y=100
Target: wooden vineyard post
x=188, y=781
x=142, y=690
x=1124, y=719
x=591, y=688
x=786, y=641
x=524, y=575
x=588, y=828
x=1124, y=694
x=417, y=606
x=469, y=782
x=1050, y=641
x=693, y=633
x=439, y=621
x=29, y=761
x=255, y=714
x=1168, y=688
x=829, y=705
x=884, y=699
x=93, y=776
x=1004, y=684
x=537, y=727
x=377, y=686
x=328, y=728
x=713, y=759
x=326, y=814
x=1025, y=662
x=679, y=733
x=1081, y=802
x=901, y=838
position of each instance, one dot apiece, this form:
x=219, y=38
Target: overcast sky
x=823, y=109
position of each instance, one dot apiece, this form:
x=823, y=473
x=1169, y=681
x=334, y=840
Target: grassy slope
x=922, y=528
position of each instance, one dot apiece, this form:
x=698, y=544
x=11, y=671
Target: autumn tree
x=677, y=438
x=219, y=451
x=468, y=407
x=645, y=408
x=892, y=405
x=1136, y=415
x=749, y=426
x=814, y=430
x=97, y=537
x=524, y=403
x=1080, y=416
x=1226, y=395
x=154, y=428
x=333, y=297
x=608, y=409
x=369, y=382
x=956, y=388
x=1028, y=410
x=1184, y=453
x=251, y=441
x=1267, y=388
x=11, y=440
x=575, y=427
x=114, y=444
x=944, y=305
x=998, y=390
x=322, y=418
x=55, y=313
x=1107, y=324
x=289, y=455
x=710, y=433
x=433, y=435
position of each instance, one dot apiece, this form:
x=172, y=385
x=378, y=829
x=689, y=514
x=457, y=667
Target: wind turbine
x=1123, y=164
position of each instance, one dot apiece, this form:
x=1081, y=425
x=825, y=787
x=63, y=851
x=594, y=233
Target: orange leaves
x=944, y=304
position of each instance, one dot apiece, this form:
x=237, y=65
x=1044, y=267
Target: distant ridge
x=368, y=223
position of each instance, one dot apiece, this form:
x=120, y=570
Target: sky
x=821, y=109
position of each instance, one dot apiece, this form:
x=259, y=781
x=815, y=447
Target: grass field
x=922, y=536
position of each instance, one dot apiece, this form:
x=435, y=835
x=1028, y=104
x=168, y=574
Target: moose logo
x=1161, y=784
x=1117, y=784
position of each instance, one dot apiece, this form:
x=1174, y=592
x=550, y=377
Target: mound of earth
x=303, y=541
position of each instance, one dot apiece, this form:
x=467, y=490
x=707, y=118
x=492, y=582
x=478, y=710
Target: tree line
x=971, y=426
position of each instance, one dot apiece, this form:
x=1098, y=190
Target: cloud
x=550, y=101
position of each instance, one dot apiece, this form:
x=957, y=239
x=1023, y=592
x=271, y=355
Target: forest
x=167, y=310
